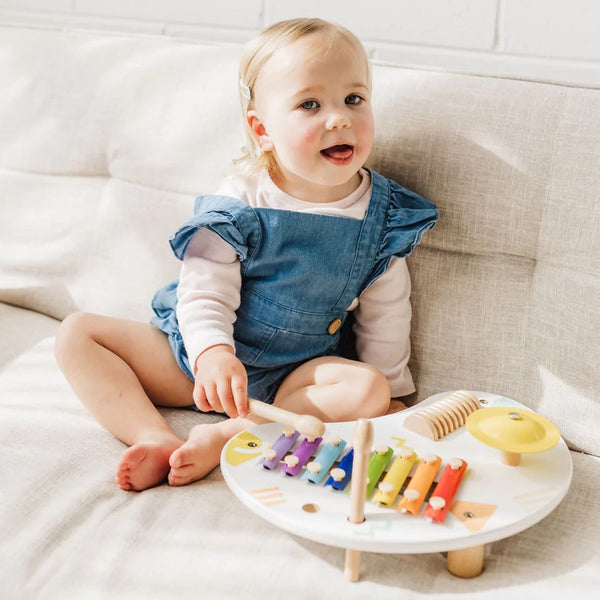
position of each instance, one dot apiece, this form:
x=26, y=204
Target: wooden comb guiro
x=444, y=416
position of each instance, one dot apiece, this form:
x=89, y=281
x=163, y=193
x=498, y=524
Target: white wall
x=555, y=40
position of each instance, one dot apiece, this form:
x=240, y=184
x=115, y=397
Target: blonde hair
x=258, y=51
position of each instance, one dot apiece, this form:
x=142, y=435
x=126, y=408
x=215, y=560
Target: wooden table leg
x=467, y=562
x=352, y=566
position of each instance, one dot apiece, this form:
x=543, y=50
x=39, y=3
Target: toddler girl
x=301, y=244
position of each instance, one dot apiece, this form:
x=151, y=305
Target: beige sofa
x=104, y=142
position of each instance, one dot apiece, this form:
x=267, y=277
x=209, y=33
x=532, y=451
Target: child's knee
x=381, y=393
x=374, y=391
x=73, y=329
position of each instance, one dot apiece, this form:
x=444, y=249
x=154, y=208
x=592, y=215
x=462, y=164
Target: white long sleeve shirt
x=210, y=281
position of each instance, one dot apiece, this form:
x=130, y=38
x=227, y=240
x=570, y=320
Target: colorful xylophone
x=403, y=477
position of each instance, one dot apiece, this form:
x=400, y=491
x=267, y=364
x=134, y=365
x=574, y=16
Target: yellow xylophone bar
x=389, y=488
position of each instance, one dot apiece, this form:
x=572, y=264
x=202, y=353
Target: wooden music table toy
x=476, y=490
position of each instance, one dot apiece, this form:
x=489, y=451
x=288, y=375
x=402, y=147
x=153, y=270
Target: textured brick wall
x=556, y=40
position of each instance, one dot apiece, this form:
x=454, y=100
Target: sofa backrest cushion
x=105, y=141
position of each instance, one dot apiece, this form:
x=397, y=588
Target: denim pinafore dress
x=300, y=272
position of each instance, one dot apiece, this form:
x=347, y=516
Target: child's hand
x=221, y=382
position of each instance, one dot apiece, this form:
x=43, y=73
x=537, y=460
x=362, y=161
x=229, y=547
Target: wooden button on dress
x=334, y=326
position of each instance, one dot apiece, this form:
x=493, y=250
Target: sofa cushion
x=505, y=289
x=69, y=532
x=104, y=143
x=105, y=140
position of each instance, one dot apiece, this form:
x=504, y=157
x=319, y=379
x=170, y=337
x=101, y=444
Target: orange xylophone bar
x=416, y=491
x=443, y=494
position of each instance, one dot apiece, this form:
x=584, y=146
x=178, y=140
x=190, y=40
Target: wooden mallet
x=310, y=426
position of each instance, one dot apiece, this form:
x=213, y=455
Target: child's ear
x=259, y=131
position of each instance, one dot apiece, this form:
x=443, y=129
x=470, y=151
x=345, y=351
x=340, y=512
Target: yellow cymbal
x=516, y=430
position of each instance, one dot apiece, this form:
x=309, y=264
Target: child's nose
x=338, y=120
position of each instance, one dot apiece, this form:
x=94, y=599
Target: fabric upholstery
x=105, y=140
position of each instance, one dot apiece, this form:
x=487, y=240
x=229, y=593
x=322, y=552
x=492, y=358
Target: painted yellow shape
x=243, y=447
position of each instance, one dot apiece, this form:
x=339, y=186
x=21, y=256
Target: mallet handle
x=305, y=424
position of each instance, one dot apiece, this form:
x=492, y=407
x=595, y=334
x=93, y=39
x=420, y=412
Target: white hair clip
x=245, y=90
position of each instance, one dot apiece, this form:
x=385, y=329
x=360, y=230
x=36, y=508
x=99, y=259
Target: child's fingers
x=208, y=399
x=200, y=400
x=226, y=398
x=213, y=398
x=239, y=387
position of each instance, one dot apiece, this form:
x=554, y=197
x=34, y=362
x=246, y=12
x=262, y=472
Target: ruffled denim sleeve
x=409, y=217
x=232, y=220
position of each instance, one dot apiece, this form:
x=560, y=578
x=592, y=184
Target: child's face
x=313, y=111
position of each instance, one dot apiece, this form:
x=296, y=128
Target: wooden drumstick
x=362, y=442
x=310, y=426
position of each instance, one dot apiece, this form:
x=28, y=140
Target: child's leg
x=120, y=369
x=335, y=389
x=331, y=388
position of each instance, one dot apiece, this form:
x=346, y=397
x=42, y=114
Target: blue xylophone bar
x=317, y=469
x=345, y=466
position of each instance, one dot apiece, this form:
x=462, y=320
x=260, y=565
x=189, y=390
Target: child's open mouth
x=340, y=154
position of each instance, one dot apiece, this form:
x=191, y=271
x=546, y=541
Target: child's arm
x=383, y=327
x=208, y=296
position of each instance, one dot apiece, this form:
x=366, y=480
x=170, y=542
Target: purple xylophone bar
x=295, y=462
x=280, y=448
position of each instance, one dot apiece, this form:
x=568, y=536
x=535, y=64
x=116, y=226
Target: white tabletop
x=493, y=501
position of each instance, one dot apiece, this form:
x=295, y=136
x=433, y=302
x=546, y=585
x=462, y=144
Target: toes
x=125, y=485
x=175, y=460
x=131, y=458
x=175, y=480
x=180, y=458
x=122, y=478
x=181, y=476
x=143, y=466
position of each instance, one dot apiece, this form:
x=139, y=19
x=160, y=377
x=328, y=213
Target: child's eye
x=309, y=105
x=353, y=99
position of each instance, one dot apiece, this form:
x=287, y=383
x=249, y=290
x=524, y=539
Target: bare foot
x=201, y=453
x=145, y=465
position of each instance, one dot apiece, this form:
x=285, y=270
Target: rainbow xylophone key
x=295, y=461
x=389, y=487
x=273, y=455
x=445, y=490
x=414, y=495
x=377, y=463
x=317, y=469
x=341, y=475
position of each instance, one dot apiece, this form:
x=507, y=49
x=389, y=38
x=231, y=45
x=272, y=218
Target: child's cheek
x=310, y=139
x=366, y=134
